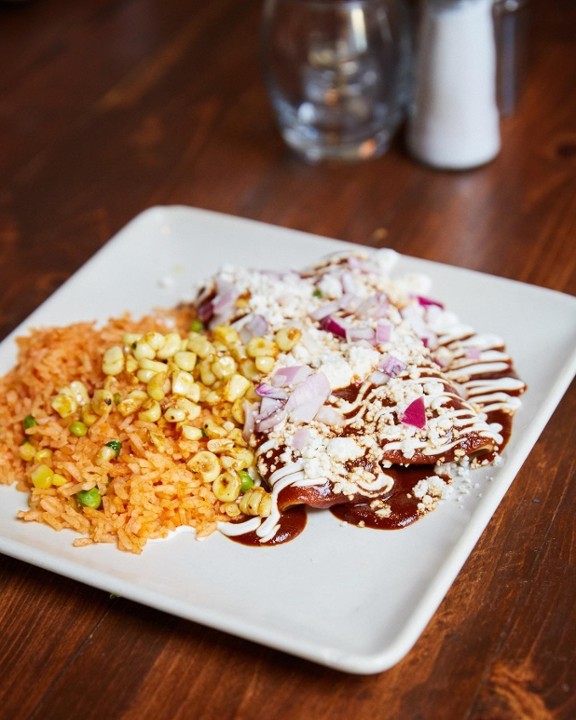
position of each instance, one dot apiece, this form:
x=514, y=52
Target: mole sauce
x=292, y=523
x=401, y=500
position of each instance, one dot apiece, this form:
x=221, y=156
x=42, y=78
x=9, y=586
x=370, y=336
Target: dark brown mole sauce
x=292, y=523
x=401, y=500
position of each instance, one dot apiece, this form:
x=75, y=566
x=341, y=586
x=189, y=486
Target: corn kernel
x=113, y=361
x=231, y=509
x=191, y=409
x=88, y=417
x=183, y=383
x=256, y=502
x=43, y=455
x=287, y=337
x=212, y=398
x=237, y=437
x=132, y=402
x=252, y=396
x=64, y=404
x=206, y=374
x=226, y=487
x=227, y=335
x=185, y=360
x=243, y=458
x=102, y=401
x=143, y=351
x=79, y=392
x=170, y=346
x=200, y=345
x=219, y=445
x=145, y=375
x=130, y=339
x=105, y=454
x=236, y=387
x=110, y=383
x=154, y=339
x=248, y=369
x=154, y=365
x=131, y=364
x=213, y=430
x=265, y=506
x=42, y=477
x=151, y=411
x=158, y=386
x=59, y=480
x=258, y=346
x=27, y=451
x=206, y=464
x=264, y=363
x=190, y=432
x=175, y=415
x=237, y=411
x=224, y=367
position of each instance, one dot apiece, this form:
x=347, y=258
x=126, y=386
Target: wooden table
x=110, y=106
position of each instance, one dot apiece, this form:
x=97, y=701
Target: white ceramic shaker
x=454, y=118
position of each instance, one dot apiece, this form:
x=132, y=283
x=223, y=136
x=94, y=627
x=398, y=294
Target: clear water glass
x=337, y=74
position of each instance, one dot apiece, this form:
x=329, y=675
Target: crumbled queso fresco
x=382, y=378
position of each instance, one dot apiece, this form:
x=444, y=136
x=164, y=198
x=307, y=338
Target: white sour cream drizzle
x=441, y=361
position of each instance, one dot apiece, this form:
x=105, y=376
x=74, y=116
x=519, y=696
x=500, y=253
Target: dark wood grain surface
x=110, y=106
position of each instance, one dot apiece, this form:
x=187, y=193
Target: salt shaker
x=454, y=118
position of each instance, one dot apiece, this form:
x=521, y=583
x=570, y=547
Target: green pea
x=29, y=421
x=197, y=326
x=116, y=445
x=317, y=293
x=89, y=498
x=78, y=428
x=246, y=481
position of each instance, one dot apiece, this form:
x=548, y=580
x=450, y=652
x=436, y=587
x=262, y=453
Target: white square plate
x=349, y=598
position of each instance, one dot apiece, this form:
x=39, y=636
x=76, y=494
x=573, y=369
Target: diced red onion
x=383, y=332
x=354, y=334
x=270, y=414
x=269, y=422
x=348, y=284
x=256, y=326
x=325, y=310
x=330, y=324
x=357, y=263
x=266, y=390
x=291, y=375
x=374, y=306
x=415, y=414
x=268, y=406
x=414, y=318
x=308, y=397
x=205, y=311
x=426, y=302
x=222, y=303
x=391, y=365
x=349, y=302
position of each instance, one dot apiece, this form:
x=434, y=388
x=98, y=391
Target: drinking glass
x=337, y=74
